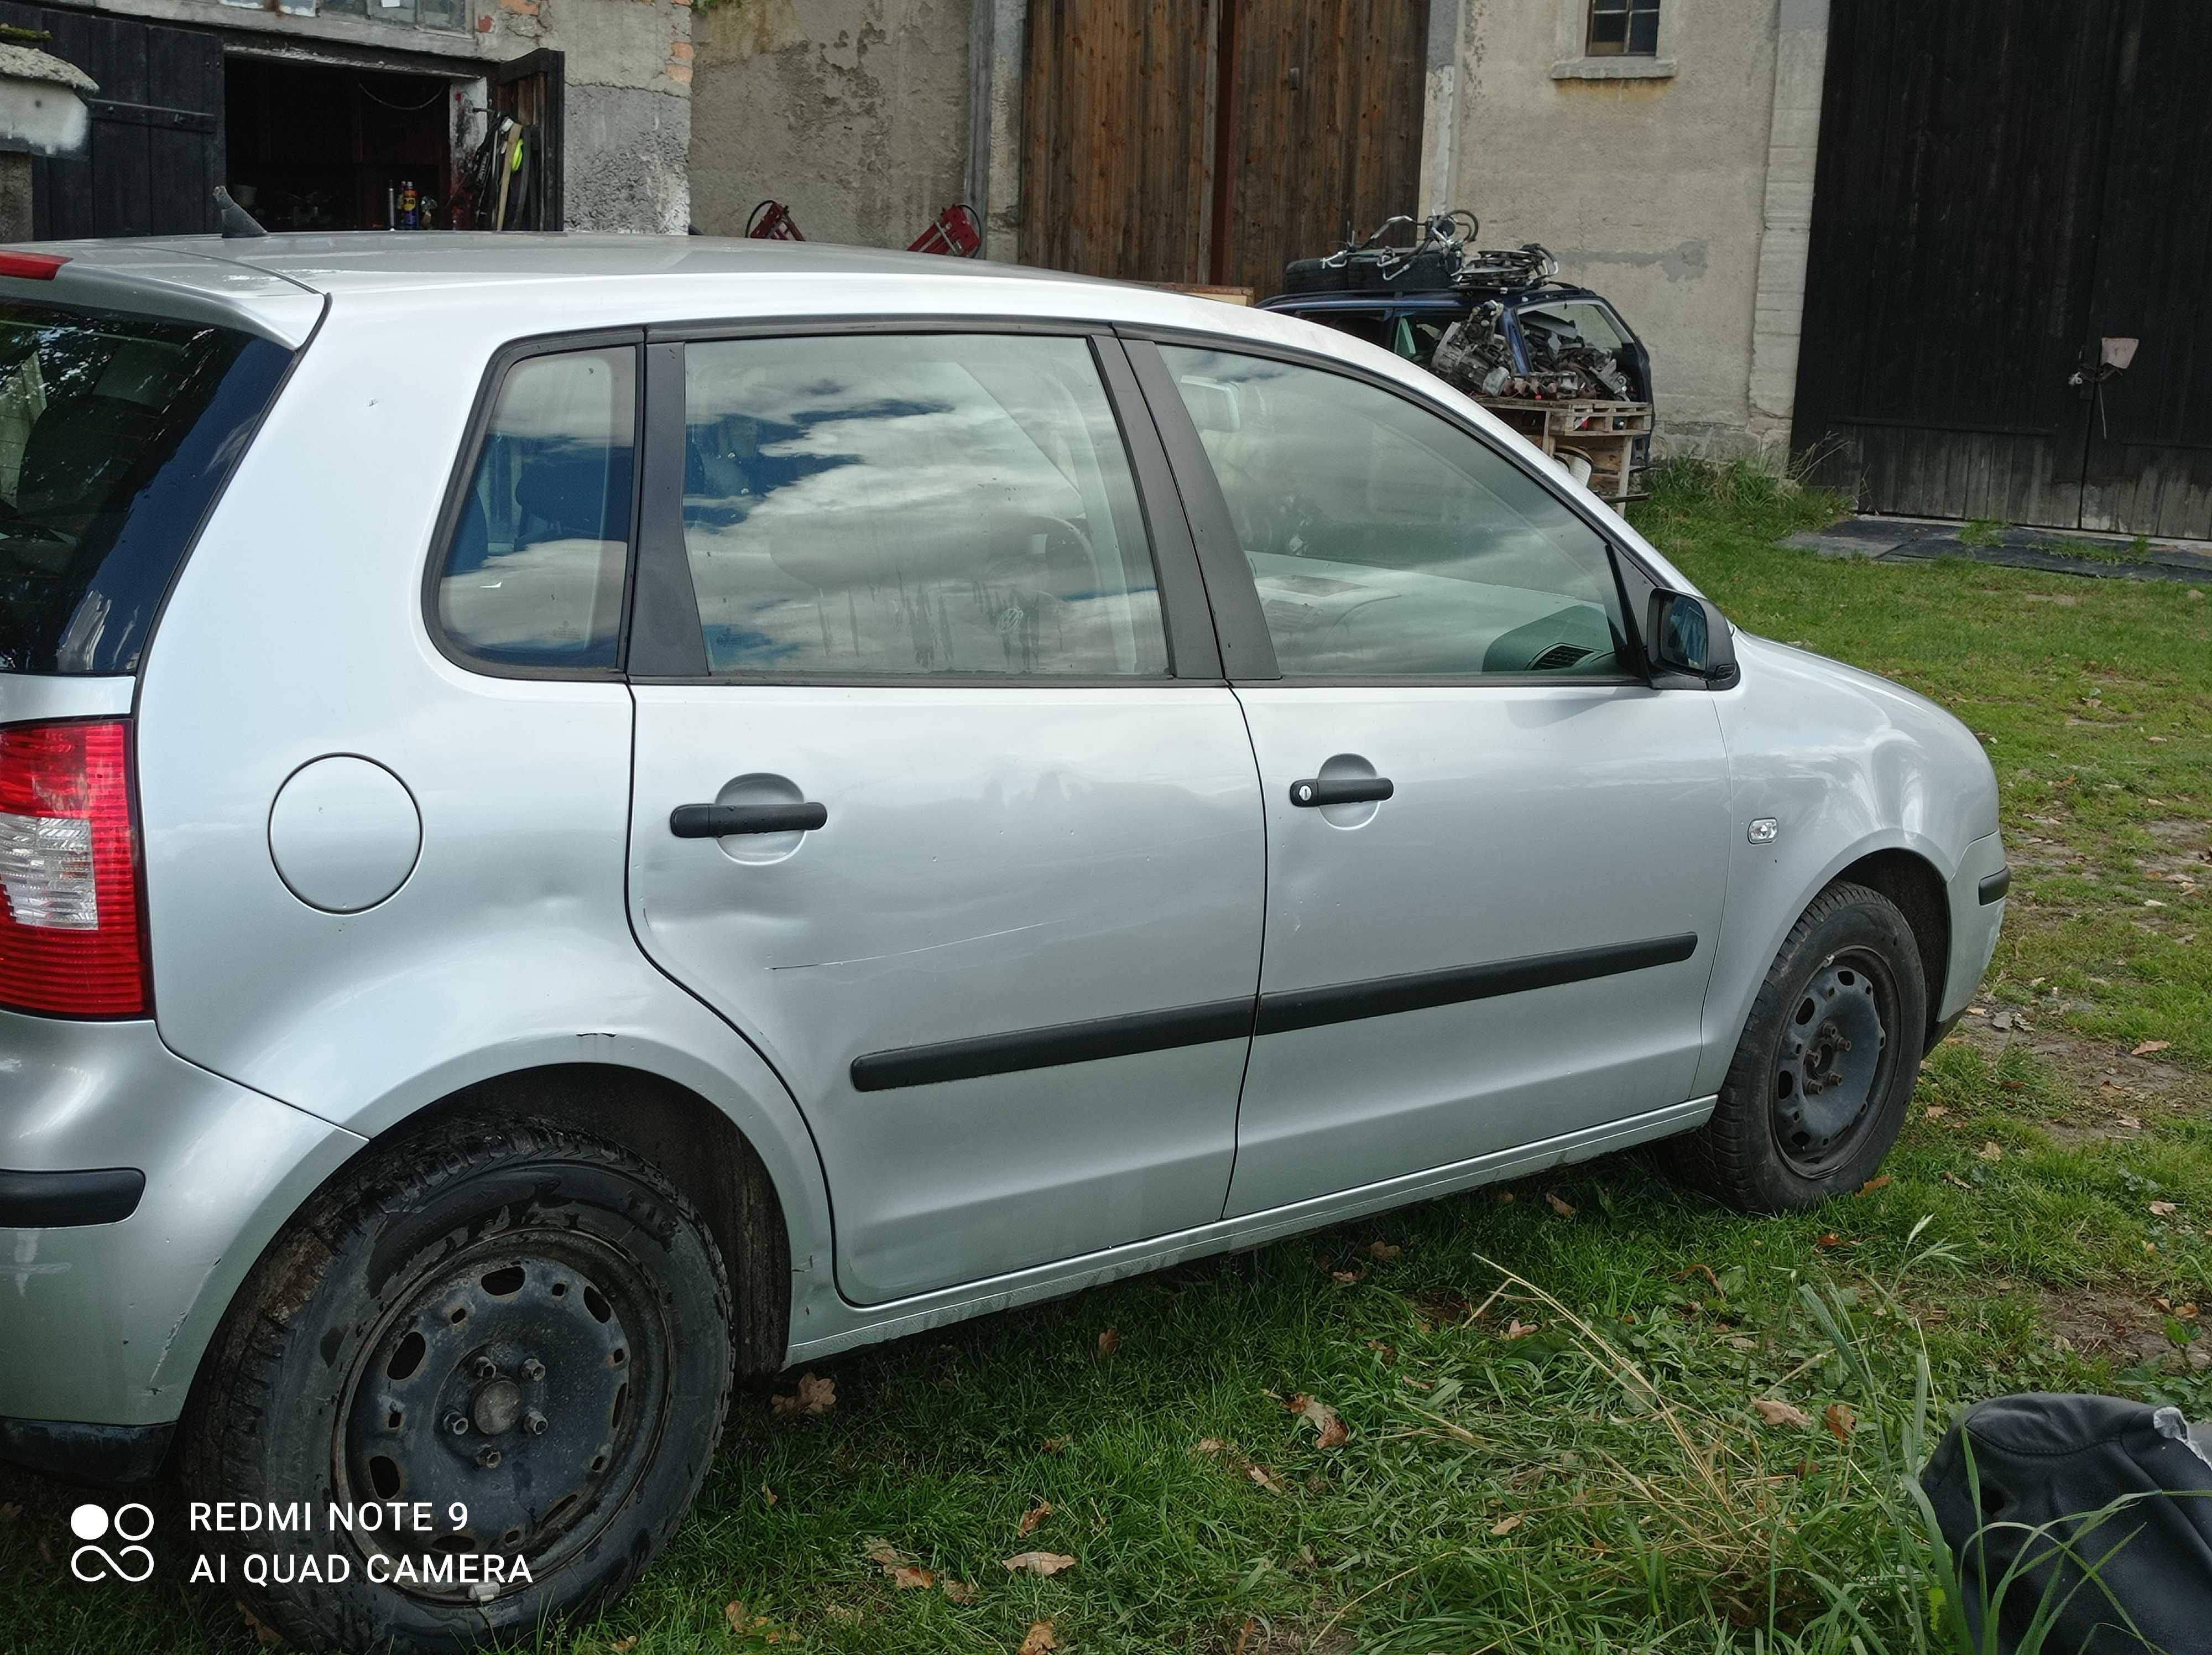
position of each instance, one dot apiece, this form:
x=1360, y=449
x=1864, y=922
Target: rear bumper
x=135, y=1191
x=107, y=1454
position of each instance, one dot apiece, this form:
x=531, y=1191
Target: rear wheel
x=504, y=1347
x=1818, y=1089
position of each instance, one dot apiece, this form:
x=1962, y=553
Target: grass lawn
x=1565, y=1457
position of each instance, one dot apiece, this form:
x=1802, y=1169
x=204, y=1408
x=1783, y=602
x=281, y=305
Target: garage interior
x=320, y=147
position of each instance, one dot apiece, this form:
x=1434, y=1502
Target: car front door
x=940, y=796
x=1495, y=853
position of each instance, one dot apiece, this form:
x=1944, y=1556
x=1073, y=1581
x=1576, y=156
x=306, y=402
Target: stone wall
x=853, y=112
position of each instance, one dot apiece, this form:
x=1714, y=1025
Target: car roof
x=262, y=281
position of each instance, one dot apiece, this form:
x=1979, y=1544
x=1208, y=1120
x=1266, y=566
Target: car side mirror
x=1686, y=635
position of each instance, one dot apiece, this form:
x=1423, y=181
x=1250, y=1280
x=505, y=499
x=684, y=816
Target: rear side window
x=533, y=573
x=938, y=505
x=116, y=433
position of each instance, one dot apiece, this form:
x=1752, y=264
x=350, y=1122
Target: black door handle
x=1312, y=792
x=719, y=821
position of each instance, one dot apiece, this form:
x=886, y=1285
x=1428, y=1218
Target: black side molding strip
x=1235, y=1019
x=1346, y=1003
x=1047, y=1048
x=1994, y=887
x=68, y=1201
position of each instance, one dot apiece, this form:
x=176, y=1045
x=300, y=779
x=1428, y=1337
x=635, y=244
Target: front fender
x=1845, y=764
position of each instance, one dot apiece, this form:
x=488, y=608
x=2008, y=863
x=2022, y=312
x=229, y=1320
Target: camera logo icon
x=129, y=1524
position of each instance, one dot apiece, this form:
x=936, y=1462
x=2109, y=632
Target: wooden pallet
x=1604, y=433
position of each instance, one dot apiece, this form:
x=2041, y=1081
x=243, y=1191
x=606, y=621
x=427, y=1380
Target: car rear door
x=939, y=797
x=1495, y=853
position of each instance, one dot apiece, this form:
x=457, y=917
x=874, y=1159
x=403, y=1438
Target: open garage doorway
x=326, y=146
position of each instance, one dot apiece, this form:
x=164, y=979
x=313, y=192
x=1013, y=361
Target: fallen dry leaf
x=1386, y=1352
x=1517, y=1329
x=883, y=1552
x=734, y=1613
x=2164, y=1208
x=1953, y=1177
x=1775, y=1411
x=1325, y=1419
x=1058, y=1444
x=264, y=1634
x=623, y=1645
x=912, y=1577
x=1505, y=1525
x=1880, y=1181
x=1040, y=1640
x=1032, y=1517
x=1384, y=1252
x=1828, y=1240
x=815, y=1395
x=1991, y=1150
x=1345, y=1276
x=1935, y=1112
x=960, y=1591
x=1562, y=1208
x=2129, y=1122
x=841, y=1613
x=1261, y=1474
x=1207, y=1445
x=768, y=1494
x=1039, y=1562
x=2148, y=1047
x=1108, y=1342
x=1840, y=1420
x=1505, y=1197
x=9, y=1513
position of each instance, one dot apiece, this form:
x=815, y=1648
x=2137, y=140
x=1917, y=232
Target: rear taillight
x=71, y=925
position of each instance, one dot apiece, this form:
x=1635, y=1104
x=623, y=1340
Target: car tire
x=507, y=1317
x=1817, y=1091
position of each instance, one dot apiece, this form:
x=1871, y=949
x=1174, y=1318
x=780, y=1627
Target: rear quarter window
x=117, y=433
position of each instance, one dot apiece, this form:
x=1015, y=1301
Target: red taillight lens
x=32, y=266
x=70, y=925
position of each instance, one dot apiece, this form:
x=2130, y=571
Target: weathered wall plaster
x=1647, y=177
x=854, y=113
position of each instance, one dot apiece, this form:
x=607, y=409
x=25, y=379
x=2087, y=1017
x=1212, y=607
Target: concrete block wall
x=853, y=112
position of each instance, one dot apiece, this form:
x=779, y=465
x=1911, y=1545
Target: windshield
x=116, y=433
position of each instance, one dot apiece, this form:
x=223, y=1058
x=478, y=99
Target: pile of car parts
x=1571, y=395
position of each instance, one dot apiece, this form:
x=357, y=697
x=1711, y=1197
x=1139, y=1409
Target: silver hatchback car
x=581, y=818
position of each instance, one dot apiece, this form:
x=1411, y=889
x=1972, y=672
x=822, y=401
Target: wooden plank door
x=153, y=155
x=1212, y=140
x=2150, y=427
x=1952, y=256
x=1322, y=133
x=534, y=90
x=1117, y=136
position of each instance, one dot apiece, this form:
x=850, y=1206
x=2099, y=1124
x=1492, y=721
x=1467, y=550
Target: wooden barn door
x=2003, y=185
x=1212, y=140
x=155, y=153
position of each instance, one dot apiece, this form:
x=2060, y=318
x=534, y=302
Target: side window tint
x=1386, y=542
x=925, y=505
x=533, y=575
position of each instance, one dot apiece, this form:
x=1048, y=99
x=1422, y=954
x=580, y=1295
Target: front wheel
x=483, y=1378
x=1818, y=1089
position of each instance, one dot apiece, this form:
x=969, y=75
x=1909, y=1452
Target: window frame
x=666, y=643
x=503, y=362
x=1627, y=9
x=1237, y=615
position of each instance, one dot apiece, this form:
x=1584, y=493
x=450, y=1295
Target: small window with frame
x=1623, y=28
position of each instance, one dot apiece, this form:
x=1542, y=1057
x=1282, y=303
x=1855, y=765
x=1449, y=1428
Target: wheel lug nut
x=488, y=1458
x=485, y=1368
x=533, y=1370
x=457, y=1424
x=535, y=1423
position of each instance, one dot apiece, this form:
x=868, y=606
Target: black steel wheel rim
x=525, y=1379
x=1832, y=1062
